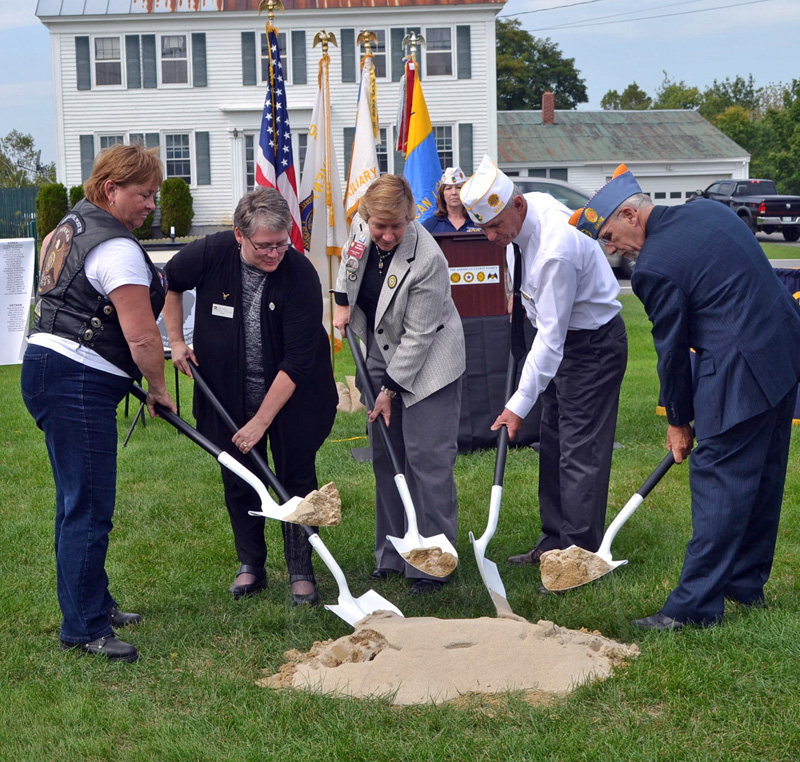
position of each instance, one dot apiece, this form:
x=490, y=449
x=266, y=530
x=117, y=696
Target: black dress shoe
x=659, y=621
x=544, y=591
x=117, y=618
x=305, y=599
x=385, y=573
x=425, y=586
x=531, y=558
x=108, y=646
x=241, y=591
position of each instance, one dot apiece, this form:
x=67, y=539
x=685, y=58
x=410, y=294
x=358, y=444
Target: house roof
x=124, y=7
x=611, y=136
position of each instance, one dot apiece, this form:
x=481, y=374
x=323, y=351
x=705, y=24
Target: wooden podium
x=477, y=273
x=477, y=283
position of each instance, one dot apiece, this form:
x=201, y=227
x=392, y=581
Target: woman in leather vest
x=94, y=333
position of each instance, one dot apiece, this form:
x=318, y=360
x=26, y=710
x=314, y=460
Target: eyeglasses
x=281, y=248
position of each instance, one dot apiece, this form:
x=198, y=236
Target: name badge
x=356, y=249
x=222, y=310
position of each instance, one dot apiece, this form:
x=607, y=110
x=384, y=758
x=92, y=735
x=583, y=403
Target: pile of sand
x=419, y=660
x=320, y=508
x=349, y=396
x=432, y=561
x=563, y=569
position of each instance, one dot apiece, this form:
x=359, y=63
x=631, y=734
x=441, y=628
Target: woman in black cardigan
x=261, y=345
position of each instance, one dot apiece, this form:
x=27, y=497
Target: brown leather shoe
x=531, y=558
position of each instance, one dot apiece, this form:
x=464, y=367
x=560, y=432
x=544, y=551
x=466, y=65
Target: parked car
x=573, y=198
x=759, y=204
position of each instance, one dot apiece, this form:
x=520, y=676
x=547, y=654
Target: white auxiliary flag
x=364, y=159
x=321, y=208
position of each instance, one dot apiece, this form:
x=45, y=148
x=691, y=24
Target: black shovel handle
x=257, y=457
x=502, y=437
x=369, y=393
x=661, y=469
x=178, y=423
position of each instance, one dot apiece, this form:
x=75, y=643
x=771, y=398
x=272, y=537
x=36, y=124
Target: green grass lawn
x=780, y=251
x=728, y=693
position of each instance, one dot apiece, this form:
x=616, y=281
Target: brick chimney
x=548, y=108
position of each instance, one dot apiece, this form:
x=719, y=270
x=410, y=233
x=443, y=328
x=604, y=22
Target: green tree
x=676, y=95
x=51, y=206
x=633, y=98
x=779, y=154
x=177, y=206
x=20, y=165
x=527, y=67
x=730, y=92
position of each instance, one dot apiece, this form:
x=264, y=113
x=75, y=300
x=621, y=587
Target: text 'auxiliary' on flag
x=275, y=163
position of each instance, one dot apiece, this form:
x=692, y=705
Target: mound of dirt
x=320, y=508
x=423, y=659
x=563, y=569
x=433, y=561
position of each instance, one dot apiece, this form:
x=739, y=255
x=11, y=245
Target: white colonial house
x=188, y=76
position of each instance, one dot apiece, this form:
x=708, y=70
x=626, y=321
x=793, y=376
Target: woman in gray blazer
x=393, y=287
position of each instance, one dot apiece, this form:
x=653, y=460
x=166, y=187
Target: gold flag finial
x=326, y=38
x=367, y=39
x=411, y=41
x=270, y=6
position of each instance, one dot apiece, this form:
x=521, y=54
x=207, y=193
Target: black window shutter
x=299, y=76
x=463, y=53
x=133, y=62
x=349, y=136
x=87, y=156
x=348, y=40
x=465, y=148
x=83, y=63
x=199, y=73
x=203, y=158
x=396, y=37
x=149, y=68
x=249, y=71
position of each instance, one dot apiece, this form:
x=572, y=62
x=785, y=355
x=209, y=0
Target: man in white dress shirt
x=577, y=359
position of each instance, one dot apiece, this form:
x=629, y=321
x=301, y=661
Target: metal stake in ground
x=433, y=555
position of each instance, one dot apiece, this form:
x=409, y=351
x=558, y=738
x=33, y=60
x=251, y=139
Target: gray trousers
x=425, y=440
x=579, y=419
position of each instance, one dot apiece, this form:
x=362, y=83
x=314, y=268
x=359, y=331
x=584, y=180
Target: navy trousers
x=737, y=481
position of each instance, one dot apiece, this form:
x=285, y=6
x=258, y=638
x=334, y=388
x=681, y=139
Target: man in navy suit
x=706, y=284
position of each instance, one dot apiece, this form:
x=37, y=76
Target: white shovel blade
x=406, y=544
x=488, y=569
x=353, y=610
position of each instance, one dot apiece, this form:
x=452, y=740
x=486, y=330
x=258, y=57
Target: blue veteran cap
x=601, y=206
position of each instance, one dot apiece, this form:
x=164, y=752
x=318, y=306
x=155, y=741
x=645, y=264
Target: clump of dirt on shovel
x=432, y=561
x=322, y=507
x=563, y=569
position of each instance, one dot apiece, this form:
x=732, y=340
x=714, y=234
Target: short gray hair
x=262, y=208
x=637, y=201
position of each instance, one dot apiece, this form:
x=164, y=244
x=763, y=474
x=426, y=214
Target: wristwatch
x=390, y=393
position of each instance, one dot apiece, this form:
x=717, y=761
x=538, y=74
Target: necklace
x=382, y=255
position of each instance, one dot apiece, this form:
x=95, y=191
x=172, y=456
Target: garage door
x=671, y=190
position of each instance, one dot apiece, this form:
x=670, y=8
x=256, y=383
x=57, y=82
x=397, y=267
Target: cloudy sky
x=613, y=42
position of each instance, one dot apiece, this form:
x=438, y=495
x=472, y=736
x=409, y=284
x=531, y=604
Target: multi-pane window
x=282, y=40
x=438, y=52
x=444, y=144
x=302, y=147
x=106, y=141
x=178, y=157
x=107, y=61
x=383, y=152
x=250, y=161
x=174, y=59
x=379, y=53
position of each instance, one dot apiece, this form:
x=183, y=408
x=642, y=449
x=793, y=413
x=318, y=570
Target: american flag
x=275, y=164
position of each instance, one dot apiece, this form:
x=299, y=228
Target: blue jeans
x=76, y=408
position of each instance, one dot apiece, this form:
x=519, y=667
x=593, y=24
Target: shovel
x=269, y=508
x=412, y=540
x=488, y=569
x=592, y=566
x=348, y=608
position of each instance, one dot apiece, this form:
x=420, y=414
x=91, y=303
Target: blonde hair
x=124, y=165
x=390, y=198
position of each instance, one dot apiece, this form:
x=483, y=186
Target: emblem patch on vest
x=58, y=251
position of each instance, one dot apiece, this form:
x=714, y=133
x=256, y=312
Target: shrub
x=51, y=206
x=75, y=195
x=145, y=230
x=177, y=209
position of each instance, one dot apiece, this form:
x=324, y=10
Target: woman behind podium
x=393, y=286
x=450, y=215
